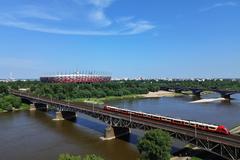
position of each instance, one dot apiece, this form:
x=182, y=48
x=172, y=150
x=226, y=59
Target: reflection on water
x=222, y=112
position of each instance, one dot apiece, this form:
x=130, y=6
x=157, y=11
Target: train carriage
x=193, y=124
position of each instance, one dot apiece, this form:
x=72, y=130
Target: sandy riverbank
x=159, y=94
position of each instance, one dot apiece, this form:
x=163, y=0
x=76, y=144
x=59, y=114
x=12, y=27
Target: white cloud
x=101, y=3
x=92, y=16
x=139, y=27
x=30, y=11
x=99, y=17
x=130, y=29
x=217, y=5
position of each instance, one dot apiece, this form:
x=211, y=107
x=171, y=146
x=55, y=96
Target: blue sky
x=128, y=38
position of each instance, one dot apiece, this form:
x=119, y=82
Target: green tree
x=155, y=145
x=8, y=102
x=5, y=105
x=3, y=89
x=72, y=157
x=68, y=157
x=13, y=100
x=92, y=157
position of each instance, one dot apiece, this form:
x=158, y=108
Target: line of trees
x=114, y=88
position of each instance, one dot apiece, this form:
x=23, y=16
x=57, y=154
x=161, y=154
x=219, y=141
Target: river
x=218, y=112
x=34, y=135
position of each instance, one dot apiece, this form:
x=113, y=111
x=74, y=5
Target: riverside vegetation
x=72, y=157
x=101, y=92
x=10, y=102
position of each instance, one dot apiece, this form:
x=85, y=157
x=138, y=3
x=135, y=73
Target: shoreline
x=24, y=108
x=103, y=100
x=160, y=94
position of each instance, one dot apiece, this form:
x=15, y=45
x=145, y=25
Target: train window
x=146, y=115
x=178, y=122
x=212, y=128
x=201, y=126
x=155, y=117
x=193, y=125
x=165, y=119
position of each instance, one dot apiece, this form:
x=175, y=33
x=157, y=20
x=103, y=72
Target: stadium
x=77, y=77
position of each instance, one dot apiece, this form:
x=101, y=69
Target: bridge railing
x=66, y=102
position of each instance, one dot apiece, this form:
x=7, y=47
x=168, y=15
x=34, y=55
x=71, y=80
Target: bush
x=68, y=157
x=155, y=144
x=8, y=102
x=71, y=157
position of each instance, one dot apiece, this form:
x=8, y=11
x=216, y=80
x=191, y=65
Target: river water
x=34, y=135
x=218, y=112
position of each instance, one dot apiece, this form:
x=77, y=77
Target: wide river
x=34, y=135
x=217, y=112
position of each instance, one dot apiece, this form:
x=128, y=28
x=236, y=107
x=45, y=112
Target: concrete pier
x=196, y=94
x=59, y=116
x=65, y=115
x=178, y=91
x=32, y=107
x=226, y=96
x=114, y=132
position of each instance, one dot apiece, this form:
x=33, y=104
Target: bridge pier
x=178, y=91
x=59, y=116
x=226, y=96
x=112, y=132
x=32, y=107
x=65, y=115
x=38, y=106
x=42, y=107
x=197, y=92
x=164, y=88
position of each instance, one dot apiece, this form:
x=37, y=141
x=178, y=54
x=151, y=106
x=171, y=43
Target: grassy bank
x=23, y=107
x=1, y=110
x=105, y=99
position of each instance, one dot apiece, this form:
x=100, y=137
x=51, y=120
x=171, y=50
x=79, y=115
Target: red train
x=198, y=125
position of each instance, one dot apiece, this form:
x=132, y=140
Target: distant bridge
x=227, y=146
x=197, y=91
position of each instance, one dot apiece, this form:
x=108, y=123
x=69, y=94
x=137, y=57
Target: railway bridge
x=227, y=146
x=197, y=91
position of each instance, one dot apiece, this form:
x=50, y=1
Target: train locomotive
x=158, y=118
